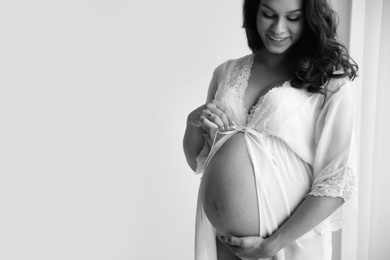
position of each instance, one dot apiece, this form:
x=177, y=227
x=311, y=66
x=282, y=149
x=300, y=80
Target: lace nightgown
x=297, y=148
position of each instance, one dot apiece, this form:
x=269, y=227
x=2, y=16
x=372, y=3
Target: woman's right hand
x=211, y=115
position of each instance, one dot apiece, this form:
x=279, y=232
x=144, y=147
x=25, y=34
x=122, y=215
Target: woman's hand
x=248, y=247
x=211, y=115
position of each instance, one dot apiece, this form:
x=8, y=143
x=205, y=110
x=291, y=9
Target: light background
x=93, y=102
x=94, y=96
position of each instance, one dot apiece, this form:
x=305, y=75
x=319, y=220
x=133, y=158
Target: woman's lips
x=277, y=39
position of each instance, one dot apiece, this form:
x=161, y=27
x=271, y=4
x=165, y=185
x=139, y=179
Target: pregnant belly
x=229, y=191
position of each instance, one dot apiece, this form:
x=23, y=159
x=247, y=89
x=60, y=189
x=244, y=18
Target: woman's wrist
x=272, y=245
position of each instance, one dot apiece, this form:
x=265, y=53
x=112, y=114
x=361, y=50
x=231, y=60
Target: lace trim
x=343, y=184
x=238, y=79
x=201, y=159
x=272, y=108
x=232, y=93
x=276, y=106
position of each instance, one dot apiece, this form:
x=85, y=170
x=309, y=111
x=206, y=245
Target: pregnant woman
x=274, y=139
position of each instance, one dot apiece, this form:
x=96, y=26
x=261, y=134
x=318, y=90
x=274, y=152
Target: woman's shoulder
x=337, y=83
x=233, y=67
x=340, y=88
x=234, y=62
x=241, y=59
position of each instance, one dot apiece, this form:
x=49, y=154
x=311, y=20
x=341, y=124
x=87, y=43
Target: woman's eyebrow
x=266, y=6
x=290, y=12
x=295, y=11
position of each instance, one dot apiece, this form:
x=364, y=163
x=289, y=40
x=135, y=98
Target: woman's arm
x=334, y=177
x=192, y=144
x=210, y=115
x=311, y=212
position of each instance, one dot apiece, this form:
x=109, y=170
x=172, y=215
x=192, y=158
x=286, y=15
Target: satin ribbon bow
x=246, y=130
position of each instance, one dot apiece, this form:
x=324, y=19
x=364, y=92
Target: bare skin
x=279, y=25
x=262, y=79
x=264, y=76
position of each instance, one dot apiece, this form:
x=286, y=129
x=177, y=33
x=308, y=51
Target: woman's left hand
x=247, y=247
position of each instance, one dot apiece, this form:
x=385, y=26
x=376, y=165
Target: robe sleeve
x=334, y=165
x=202, y=157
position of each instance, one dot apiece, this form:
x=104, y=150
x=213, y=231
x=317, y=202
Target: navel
x=216, y=206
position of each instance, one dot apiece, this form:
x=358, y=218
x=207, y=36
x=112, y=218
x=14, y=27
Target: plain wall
x=369, y=45
x=94, y=97
x=93, y=102
x=380, y=209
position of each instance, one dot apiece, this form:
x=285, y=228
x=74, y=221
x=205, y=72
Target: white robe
x=297, y=147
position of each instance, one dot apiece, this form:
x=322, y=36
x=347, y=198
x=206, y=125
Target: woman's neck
x=270, y=60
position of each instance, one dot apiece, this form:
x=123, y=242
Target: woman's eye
x=293, y=19
x=267, y=15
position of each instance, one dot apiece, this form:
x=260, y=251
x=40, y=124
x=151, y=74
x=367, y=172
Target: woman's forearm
x=311, y=212
x=192, y=144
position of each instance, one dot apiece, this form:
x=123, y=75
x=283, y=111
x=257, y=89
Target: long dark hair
x=317, y=55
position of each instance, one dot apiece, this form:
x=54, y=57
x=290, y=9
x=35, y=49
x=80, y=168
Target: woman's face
x=280, y=24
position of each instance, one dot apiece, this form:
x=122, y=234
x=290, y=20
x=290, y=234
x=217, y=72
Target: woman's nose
x=278, y=27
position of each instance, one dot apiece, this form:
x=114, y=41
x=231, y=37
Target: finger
x=222, y=112
x=223, y=118
x=220, y=237
x=209, y=124
x=223, y=108
x=218, y=121
x=213, y=118
x=218, y=117
x=234, y=241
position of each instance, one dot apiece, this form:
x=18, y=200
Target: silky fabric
x=299, y=144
